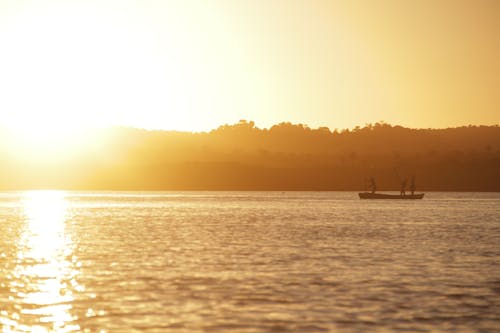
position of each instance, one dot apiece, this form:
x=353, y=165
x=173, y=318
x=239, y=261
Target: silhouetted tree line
x=284, y=157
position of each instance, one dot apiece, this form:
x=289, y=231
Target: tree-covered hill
x=284, y=157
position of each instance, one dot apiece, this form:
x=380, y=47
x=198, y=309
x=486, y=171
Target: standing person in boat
x=403, y=187
x=412, y=185
x=373, y=185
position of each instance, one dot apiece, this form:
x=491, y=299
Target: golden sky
x=196, y=64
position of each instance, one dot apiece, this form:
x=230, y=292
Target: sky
x=197, y=64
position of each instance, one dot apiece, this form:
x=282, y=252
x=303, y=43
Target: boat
x=371, y=195
x=402, y=195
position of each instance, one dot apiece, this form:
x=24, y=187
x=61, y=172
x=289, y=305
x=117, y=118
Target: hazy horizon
x=332, y=128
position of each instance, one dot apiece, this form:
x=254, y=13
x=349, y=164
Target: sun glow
x=70, y=68
x=47, y=142
x=49, y=74
x=44, y=132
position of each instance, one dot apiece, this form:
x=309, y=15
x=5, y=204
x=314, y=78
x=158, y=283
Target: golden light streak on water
x=44, y=278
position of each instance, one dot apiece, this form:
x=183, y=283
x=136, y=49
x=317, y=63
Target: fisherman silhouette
x=373, y=185
x=412, y=185
x=403, y=187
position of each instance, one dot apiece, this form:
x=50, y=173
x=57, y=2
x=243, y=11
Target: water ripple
x=248, y=262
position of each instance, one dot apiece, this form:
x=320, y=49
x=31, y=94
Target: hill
x=284, y=157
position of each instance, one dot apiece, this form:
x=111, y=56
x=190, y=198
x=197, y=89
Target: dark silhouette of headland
x=284, y=157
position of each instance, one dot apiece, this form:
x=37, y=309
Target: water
x=248, y=262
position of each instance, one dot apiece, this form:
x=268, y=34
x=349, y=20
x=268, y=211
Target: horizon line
x=304, y=125
x=7, y=128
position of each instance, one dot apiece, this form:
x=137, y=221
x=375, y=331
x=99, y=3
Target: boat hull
x=369, y=195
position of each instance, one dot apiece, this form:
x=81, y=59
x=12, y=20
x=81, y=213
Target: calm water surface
x=248, y=262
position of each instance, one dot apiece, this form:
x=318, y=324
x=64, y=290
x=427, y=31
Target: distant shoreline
x=242, y=157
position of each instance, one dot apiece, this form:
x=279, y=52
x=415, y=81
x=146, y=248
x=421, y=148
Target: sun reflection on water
x=44, y=279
